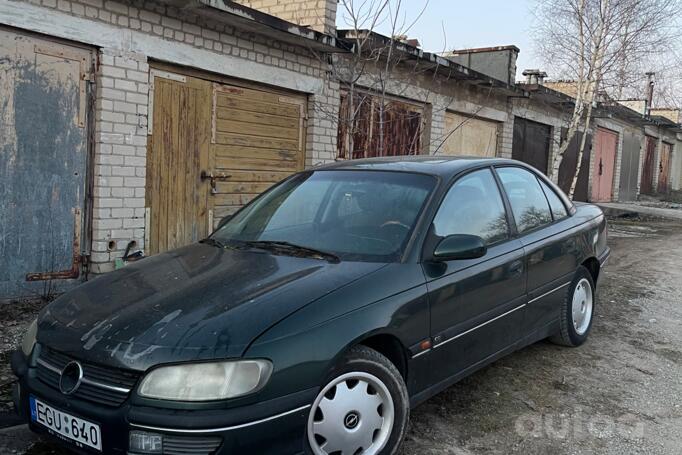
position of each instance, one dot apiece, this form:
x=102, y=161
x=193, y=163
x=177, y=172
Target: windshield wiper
x=213, y=242
x=292, y=248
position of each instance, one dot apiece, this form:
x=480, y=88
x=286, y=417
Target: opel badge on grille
x=70, y=378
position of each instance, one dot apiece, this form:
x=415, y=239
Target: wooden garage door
x=212, y=148
x=465, y=135
x=177, y=153
x=258, y=140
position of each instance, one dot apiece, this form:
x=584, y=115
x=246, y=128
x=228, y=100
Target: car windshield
x=354, y=215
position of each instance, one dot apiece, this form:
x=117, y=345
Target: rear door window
x=529, y=204
x=558, y=208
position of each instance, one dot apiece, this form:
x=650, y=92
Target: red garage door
x=605, y=148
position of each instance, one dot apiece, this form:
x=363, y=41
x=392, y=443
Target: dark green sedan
x=314, y=319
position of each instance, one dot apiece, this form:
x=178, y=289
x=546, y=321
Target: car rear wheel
x=362, y=409
x=577, y=310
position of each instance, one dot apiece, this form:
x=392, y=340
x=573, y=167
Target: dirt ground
x=620, y=393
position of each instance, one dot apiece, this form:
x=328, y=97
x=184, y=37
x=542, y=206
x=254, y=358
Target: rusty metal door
x=605, y=147
x=177, y=153
x=664, y=168
x=531, y=143
x=629, y=170
x=647, y=182
x=44, y=99
x=569, y=164
x=465, y=135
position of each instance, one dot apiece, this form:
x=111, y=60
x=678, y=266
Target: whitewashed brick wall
x=506, y=135
x=120, y=155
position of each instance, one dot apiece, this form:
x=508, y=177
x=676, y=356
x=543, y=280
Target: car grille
x=190, y=445
x=101, y=385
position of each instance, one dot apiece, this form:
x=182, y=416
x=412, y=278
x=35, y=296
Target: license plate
x=80, y=431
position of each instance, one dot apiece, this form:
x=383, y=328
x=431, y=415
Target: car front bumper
x=275, y=426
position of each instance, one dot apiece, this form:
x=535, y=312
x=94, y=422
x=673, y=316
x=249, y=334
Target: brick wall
x=122, y=92
x=120, y=155
x=319, y=15
x=437, y=96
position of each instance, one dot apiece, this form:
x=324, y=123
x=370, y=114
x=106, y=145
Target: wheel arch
x=390, y=347
x=385, y=343
x=593, y=266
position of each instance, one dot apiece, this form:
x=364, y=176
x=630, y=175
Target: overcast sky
x=470, y=23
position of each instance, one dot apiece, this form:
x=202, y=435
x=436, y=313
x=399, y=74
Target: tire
x=574, y=332
x=359, y=423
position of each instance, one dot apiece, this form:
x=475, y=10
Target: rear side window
x=473, y=206
x=527, y=199
x=558, y=208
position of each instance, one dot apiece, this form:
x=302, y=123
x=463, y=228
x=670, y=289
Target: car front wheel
x=362, y=409
x=577, y=310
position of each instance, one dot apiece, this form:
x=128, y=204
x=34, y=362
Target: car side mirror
x=460, y=246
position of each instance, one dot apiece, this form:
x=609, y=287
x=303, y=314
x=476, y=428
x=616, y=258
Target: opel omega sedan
x=313, y=319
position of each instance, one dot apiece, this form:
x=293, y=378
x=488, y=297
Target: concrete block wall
x=319, y=15
x=130, y=34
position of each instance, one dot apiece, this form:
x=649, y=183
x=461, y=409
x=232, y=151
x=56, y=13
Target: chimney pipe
x=534, y=76
x=650, y=91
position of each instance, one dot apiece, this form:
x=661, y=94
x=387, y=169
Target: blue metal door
x=43, y=163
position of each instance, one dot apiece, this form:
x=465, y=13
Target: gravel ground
x=619, y=393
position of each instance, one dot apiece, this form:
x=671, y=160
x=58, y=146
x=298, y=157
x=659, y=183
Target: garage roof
x=252, y=20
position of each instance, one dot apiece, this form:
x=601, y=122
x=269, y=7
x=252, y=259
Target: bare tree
x=596, y=43
x=372, y=74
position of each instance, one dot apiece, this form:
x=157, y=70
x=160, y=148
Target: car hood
x=197, y=302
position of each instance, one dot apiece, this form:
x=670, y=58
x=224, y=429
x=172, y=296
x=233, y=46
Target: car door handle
x=516, y=268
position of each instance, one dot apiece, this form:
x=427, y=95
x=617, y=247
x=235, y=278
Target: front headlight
x=29, y=339
x=206, y=381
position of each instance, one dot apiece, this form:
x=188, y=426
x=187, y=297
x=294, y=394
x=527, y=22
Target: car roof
x=443, y=166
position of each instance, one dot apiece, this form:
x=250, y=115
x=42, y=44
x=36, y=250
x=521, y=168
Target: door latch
x=601, y=167
x=209, y=176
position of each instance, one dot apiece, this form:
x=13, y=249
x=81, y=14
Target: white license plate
x=80, y=431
